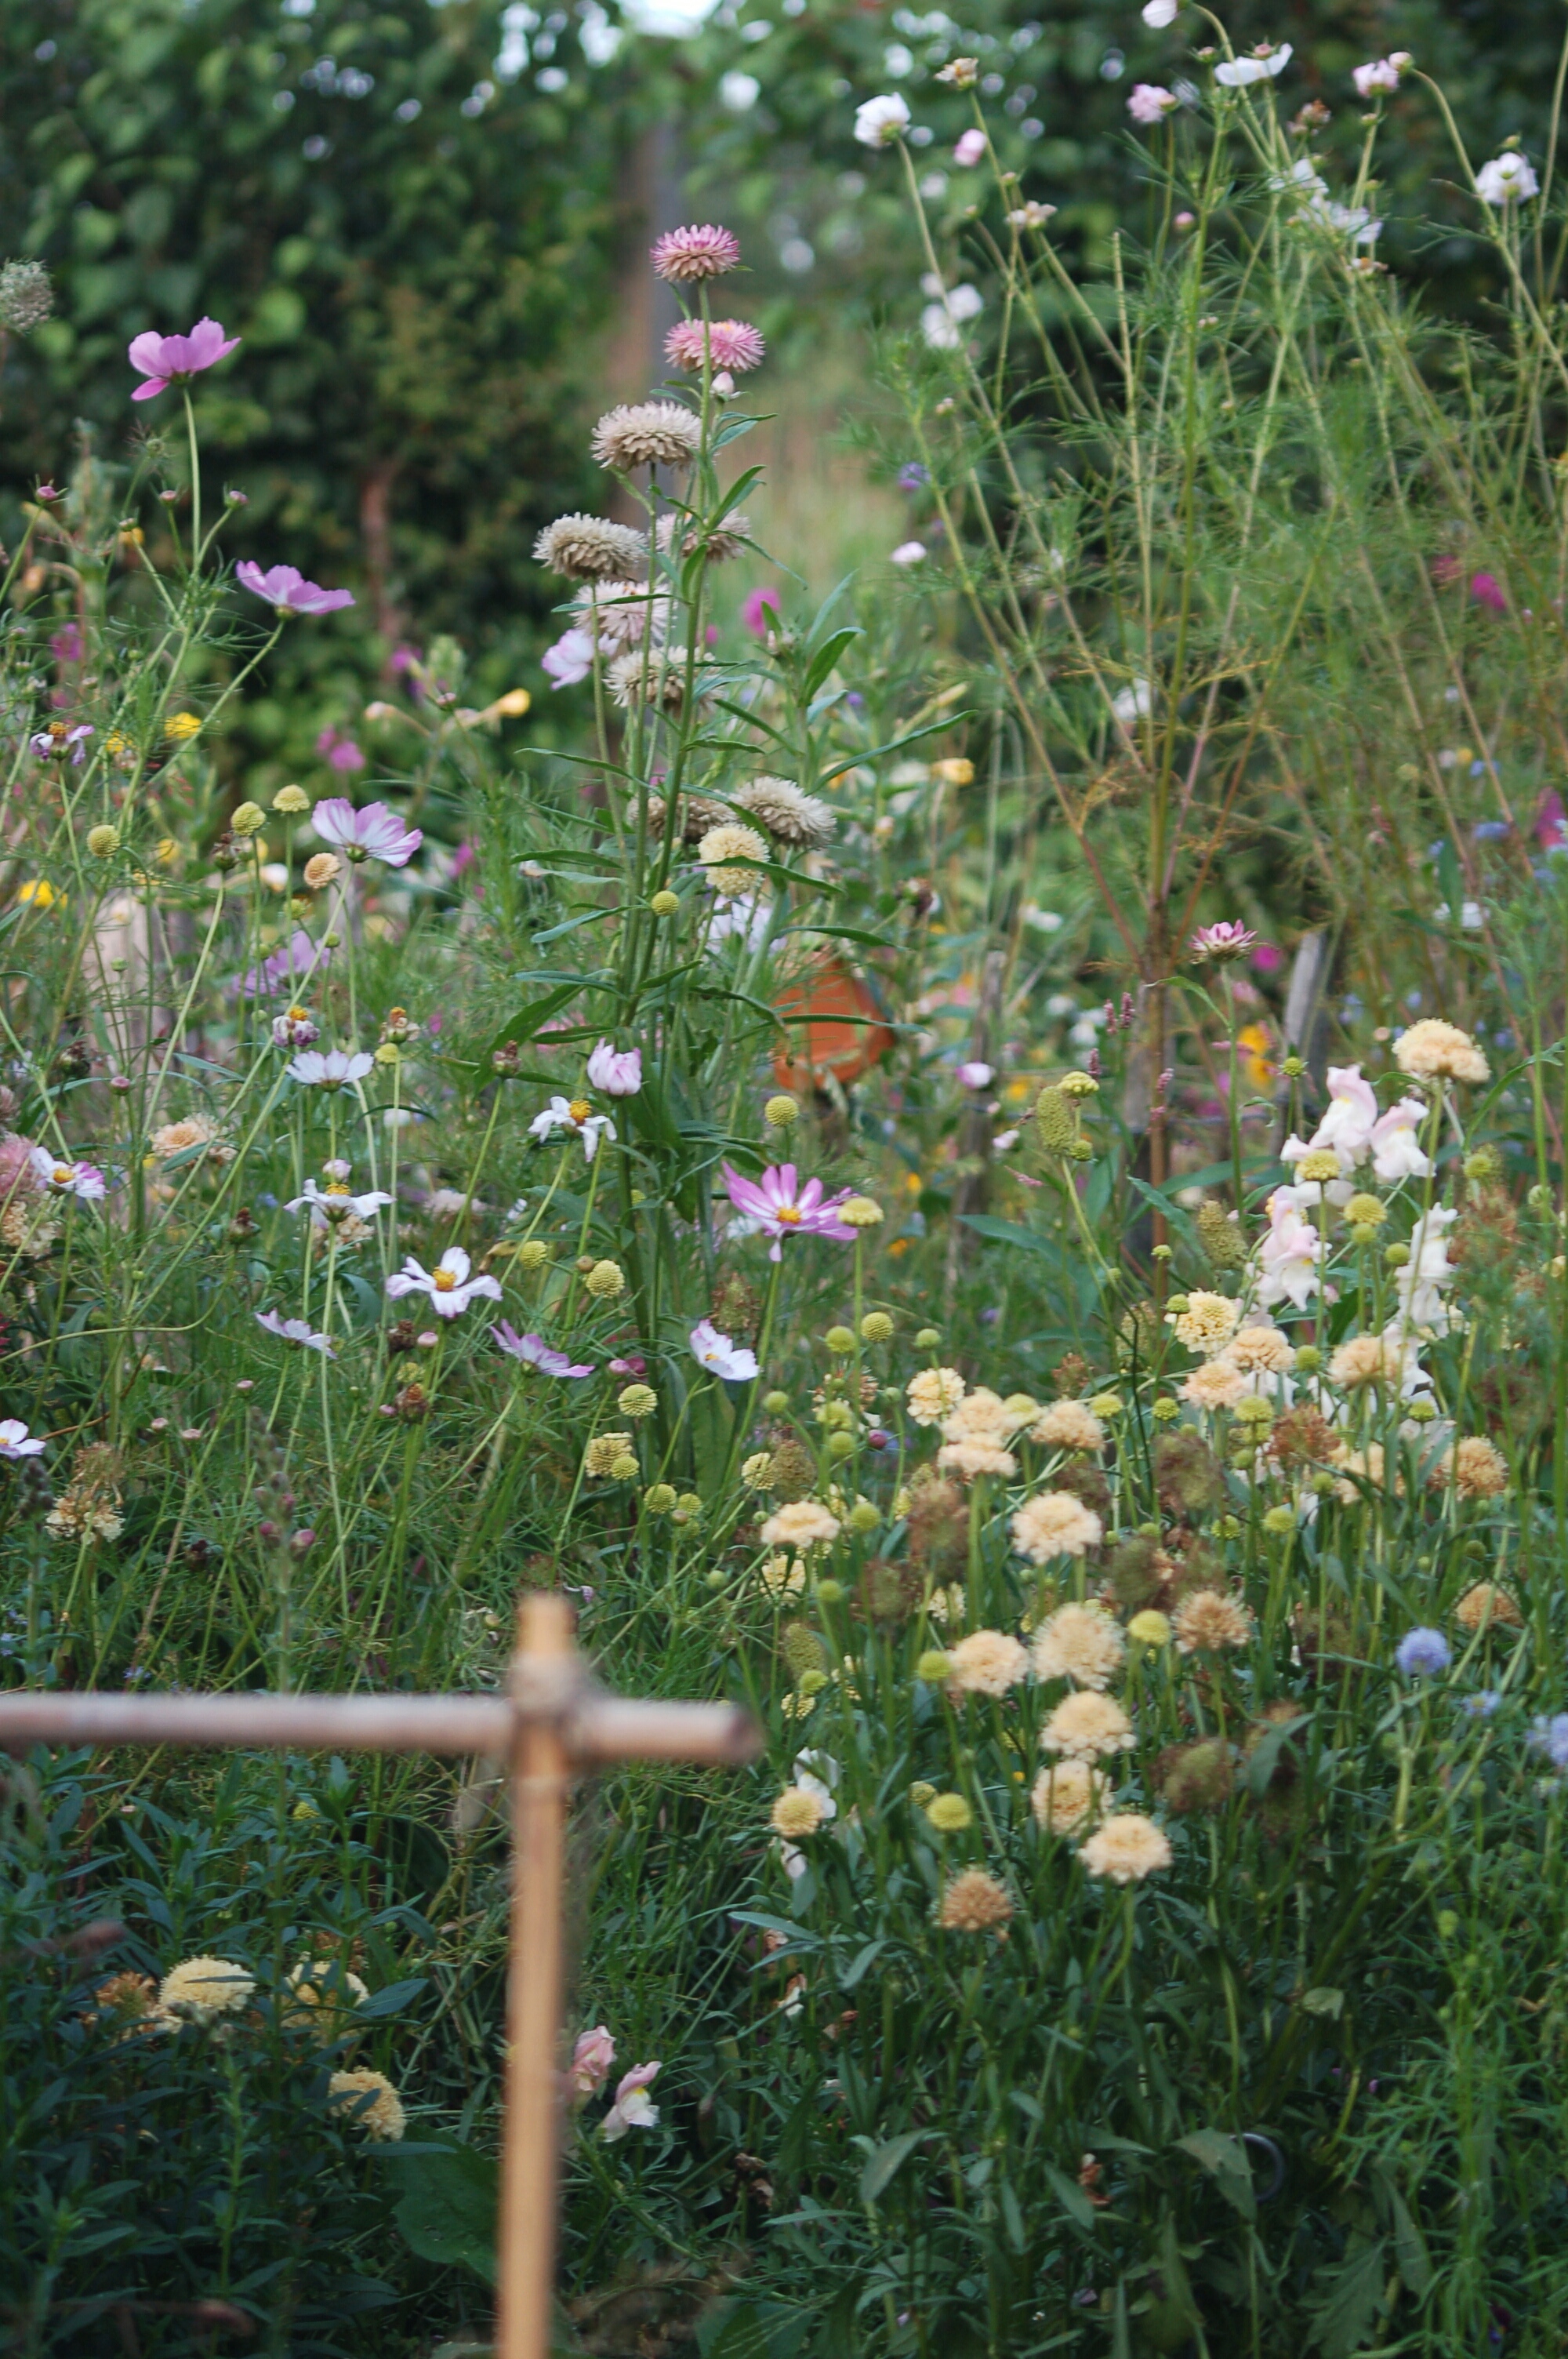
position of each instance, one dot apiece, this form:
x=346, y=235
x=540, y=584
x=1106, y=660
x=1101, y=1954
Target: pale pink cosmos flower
x=735, y=1362
x=332, y=1068
x=83, y=1181
x=685, y=255
x=293, y=963
x=970, y=149
x=730, y=343
x=976, y=1075
x=16, y=1441
x=1150, y=102
x=172, y=360
x=592, y=2060
x=535, y=1353
x=286, y=590
x=617, y=1071
x=779, y=1205
x=374, y=833
x=1222, y=942
x=296, y=1330
x=1383, y=74
x=449, y=1284
x=569, y=660
x=633, y=2108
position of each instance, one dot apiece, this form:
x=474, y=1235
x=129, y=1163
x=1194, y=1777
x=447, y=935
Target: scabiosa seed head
x=646, y=434
x=591, y=549
x=684, y=257
x=27, y=297
x=950, y=1814
x=974, y=1902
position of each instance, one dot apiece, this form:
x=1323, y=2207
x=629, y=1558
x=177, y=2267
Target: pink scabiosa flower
x=173, y=360
x=731, y=345
x=330, y=1068
x=735, y=1362
x=535, y=1353
x=449, y=1285
x=617, y=1071
x=83, y=1181
x=1150, y=102
x=374, y=833
x=1221, y=943
x=759, y=610
x=685, y=255
x=287, y=592
x=296, y=1330
x=633, y=2108
x=16, y=1441
x=780, y=1205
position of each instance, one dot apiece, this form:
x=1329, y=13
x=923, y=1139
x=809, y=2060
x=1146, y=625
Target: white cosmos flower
x=1506, y=180
x=1158, y=14
x=296, y=1330
x=879, y=121
x=449, y=1284
x=1239, y=72
x=942, y=320
x=908, y=552
x=734, y=1360
x=574, y=1114
x=330, y=1071
x=16, y=1441
x=334, y=1203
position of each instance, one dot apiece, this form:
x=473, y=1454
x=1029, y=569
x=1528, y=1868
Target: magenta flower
x=617, y=1071
x=759, y=610
x=173, y=360
x=342, y=753
x=535, y=1353
x=730, y=343
x=683, y=256
x=1486, y=590
x=374, y=833
x=287, y=592
x=1221, y=943
x=780, y=1205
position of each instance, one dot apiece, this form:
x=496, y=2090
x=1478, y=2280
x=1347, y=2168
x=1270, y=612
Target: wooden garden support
x=552, y=1722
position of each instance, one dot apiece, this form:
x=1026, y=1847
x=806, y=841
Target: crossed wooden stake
x=551, y=1720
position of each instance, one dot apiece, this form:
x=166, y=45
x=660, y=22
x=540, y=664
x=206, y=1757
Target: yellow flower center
x=62, y=1175
x=788, y=1214
x=337, y=1188
x=445, y=1282
x=579, y=1109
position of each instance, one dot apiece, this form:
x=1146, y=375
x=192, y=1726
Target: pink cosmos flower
x=449, y=1284
x=569, y=660
x=293, y=964
x=1352, y=1116
x=16, y=1441
x=759, y=610
x=342, y=753
x=617, y=1071
x=683, y=256
x=1150, y=102
x=293, y=1029
x=374, y=833
x=83, y=1181
x=970, y=149
x=1222, y=942
x=286, y=590
x=732, y=345
x=633, y=2109
x=592, y=2060
x=296, y=1330
x=1383, y=74
x=735, y=1362
x=779, y=1205
x=535, y=1353
x=172, y=360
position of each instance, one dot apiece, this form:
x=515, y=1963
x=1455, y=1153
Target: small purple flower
x=913, y=476
x=1423, y=1654
x=535, y=1353
x=1550, y=1735
x=617, y=1071
x=1484, y=1703
x=172, y=360
x=293, y=1029
x=1492, y=831
x=287, y=592
x=65, y=741
x=68, y=646
x=374, y=833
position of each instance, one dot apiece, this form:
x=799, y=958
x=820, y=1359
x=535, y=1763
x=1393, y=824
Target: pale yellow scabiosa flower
x=1125, y=1848
x=1088, y=1727
x=1054, y=1523
x=1080, y=1643
x=382, y=2117
x=987, y=1662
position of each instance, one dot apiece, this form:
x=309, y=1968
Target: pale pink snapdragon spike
x=633, y=2108
x=449, y=1284
x=16, y=1441
x=780, y=1205
x=1397, y=1151
x=173, y=360
x=1351, y=1120
x=737, y=1363
x=332, y=1068
x=1222, y=942
x=593, y=2059
x=374, y=833
x=535, y=1353
x=617, y=1071
x=1289, y=1254
x=685, y=255
x=296, y=1330
x=286, y=590
x=334, y=1203
x=83, y=1181
x=569, y=660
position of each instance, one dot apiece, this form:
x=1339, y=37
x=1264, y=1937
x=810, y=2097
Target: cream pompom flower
x=320, y=1999
x=1067, y=1795
x=200, y=1989
x=778, y=806
x=1218, y=1384
x=1476, y=1467
x=798, y=1813
x=590, y=548
x=1207, y=1323
x=974, y=1902
x=1125, y=1848
x=933, y=1395
x=971, y=1458
x=987, y=1662
x=1080, y=1643
x=803, y=1523
x=1261, y=1351
x=647, y=434
x=1209, y=1620
x=1088, y=1727
x=1434, y=1052
x=723, y=844
x=1068, y=1425
x=1486, y=1602
x=376, y=2105
x=1054, y=1523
